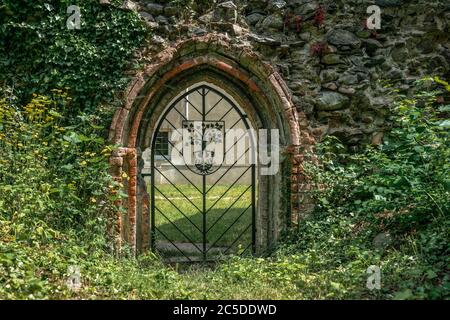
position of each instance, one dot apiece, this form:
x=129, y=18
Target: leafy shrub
x=54, y=166
x=54, y=181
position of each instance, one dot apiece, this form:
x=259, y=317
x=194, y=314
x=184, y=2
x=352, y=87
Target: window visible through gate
x=202, y=178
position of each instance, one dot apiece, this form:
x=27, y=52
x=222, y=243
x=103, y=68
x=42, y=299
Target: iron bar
x=223, y=214
x=179, y=190
x=171, y=242
x=237, y=239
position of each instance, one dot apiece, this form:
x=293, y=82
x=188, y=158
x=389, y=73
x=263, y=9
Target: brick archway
x=256, y=87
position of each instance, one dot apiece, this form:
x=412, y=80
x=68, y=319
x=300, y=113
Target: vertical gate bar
x=204, y=177
x=254, y=209
x=152, y=182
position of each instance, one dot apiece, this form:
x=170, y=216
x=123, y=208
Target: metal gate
x=203, y=179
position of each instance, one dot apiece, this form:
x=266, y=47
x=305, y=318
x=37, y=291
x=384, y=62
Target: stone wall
x=335, y=67
x=327, y=68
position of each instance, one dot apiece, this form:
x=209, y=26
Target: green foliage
x=54, y=161
x=55, y=194
x=39, y=53
x=326, y=259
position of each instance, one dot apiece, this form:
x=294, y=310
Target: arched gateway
x=204, y=82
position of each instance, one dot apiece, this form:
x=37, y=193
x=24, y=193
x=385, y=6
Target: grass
x=179, y=215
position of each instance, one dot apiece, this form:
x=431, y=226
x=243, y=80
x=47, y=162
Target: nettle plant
x=407, y=174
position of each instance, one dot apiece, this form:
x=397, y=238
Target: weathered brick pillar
x=143, y=211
